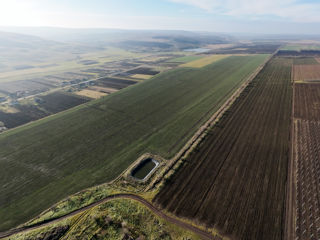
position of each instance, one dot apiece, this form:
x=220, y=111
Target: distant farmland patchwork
x=93, y=143
x=115, y=83
x=54, y=102
x=49, y=104
x=235, y=180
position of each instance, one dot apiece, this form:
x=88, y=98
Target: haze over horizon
x=241, y=16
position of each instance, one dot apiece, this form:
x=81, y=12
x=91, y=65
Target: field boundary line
x=289, y=230
x=201, y=133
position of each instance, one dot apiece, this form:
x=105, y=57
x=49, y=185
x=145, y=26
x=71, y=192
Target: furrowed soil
x=306, y=157
x=307, y=101
x=235, y=181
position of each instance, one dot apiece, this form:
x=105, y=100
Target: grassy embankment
x=113, y=220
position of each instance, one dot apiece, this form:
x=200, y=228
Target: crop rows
x=307, y=160
x=307, y=101
x=235, y=180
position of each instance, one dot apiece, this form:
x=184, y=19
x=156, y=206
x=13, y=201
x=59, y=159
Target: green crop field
x=185, y=59
x=299, y=47
x=50, y=159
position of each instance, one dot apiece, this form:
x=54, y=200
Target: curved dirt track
x=203, y=234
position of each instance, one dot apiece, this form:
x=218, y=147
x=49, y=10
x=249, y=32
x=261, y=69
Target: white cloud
x=293, y=10
x=15, y=11
x=204, y=4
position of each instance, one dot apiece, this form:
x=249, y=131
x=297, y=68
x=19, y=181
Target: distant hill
x=129, y=39
x=22, y=41
x=25, y=50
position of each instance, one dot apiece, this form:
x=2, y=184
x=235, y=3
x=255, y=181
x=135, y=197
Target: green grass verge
x=45, y=161
x=74, y=202
x=117, y=219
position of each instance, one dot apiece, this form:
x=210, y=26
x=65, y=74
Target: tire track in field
x=203, y=234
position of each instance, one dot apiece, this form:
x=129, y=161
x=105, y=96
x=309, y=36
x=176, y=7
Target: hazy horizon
x=229, y=16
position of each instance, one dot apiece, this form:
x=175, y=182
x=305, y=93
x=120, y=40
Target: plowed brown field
x=307, y=161
x=236, y=180
x=307, y=72
x=307, y=101
x=306, y=156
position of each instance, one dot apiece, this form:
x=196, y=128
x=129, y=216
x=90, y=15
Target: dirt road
x=203, y=234
x=289, y=232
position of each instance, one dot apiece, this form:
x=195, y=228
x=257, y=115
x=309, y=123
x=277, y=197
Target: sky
x=246, y=16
